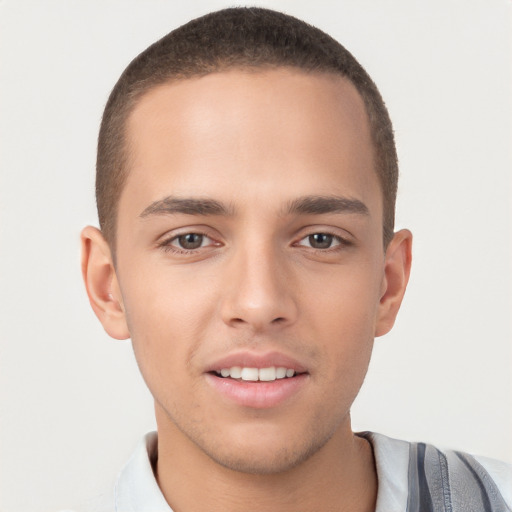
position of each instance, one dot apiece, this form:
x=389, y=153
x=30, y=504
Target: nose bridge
x=258, y=295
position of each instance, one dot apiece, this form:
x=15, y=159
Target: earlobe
x=397, y=267
x=101, y=283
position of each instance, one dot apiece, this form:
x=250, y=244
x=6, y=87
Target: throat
x=340, y=476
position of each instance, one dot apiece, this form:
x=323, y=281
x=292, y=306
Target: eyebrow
x=318, y=205
x=186, y=205
x=306, y=205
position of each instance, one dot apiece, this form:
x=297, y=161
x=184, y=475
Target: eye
x=320, y=241
x=187, y=242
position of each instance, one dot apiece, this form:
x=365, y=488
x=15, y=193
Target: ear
x=101, y=283
x=397, y=267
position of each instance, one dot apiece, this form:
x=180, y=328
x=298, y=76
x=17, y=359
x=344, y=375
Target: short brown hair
x=245, y=37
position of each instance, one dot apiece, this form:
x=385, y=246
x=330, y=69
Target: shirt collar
x=136, y=488
x=392, y=465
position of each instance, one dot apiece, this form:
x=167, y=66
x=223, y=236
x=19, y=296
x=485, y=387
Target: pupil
x=320, y=240
x=190, y=241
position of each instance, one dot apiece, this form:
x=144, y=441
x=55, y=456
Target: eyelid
x=198, y=229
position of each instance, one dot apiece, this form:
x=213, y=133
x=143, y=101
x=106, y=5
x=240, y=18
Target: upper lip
x=247, y=359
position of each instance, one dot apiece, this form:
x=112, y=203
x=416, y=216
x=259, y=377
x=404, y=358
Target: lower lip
x=258, y=395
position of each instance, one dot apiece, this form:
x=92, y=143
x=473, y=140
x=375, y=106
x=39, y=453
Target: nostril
x=278, y=320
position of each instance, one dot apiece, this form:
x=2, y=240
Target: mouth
x=258, y=381
x=248, y=374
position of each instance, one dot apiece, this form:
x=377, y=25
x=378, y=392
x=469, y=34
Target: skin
x=257, y=143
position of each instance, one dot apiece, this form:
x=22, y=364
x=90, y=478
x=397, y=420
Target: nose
x=259, y=292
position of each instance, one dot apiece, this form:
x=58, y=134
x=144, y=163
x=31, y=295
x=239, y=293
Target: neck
x=340, y=476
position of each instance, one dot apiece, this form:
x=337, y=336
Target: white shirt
x=136, y=489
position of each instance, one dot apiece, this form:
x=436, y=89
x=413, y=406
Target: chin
x=267, y=458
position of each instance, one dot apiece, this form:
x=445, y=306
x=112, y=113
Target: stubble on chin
x=256, y=457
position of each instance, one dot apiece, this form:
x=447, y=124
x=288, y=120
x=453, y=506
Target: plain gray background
x=73, y=404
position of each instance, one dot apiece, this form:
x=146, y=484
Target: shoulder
x=419, y=476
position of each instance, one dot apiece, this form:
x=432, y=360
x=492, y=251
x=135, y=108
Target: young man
x=246, y=183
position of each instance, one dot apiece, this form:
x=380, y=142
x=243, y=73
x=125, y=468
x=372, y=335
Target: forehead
x=265, y=129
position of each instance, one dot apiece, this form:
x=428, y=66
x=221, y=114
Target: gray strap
x=454, y=482
x=484, y=494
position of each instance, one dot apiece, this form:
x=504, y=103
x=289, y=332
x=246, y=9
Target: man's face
x=250, y=237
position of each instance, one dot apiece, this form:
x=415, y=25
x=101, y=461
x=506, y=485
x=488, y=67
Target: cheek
x=164, y=301
x=343, y=316
x=165, y=316
x=346, y=299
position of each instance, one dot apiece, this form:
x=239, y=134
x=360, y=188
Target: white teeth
x=254, y=374
x=280, y=373
x=235, y=372
x=267, y=374
x=249, y=373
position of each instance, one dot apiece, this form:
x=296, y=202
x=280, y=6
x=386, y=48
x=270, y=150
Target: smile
x=255, y=380
x=256, y=374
